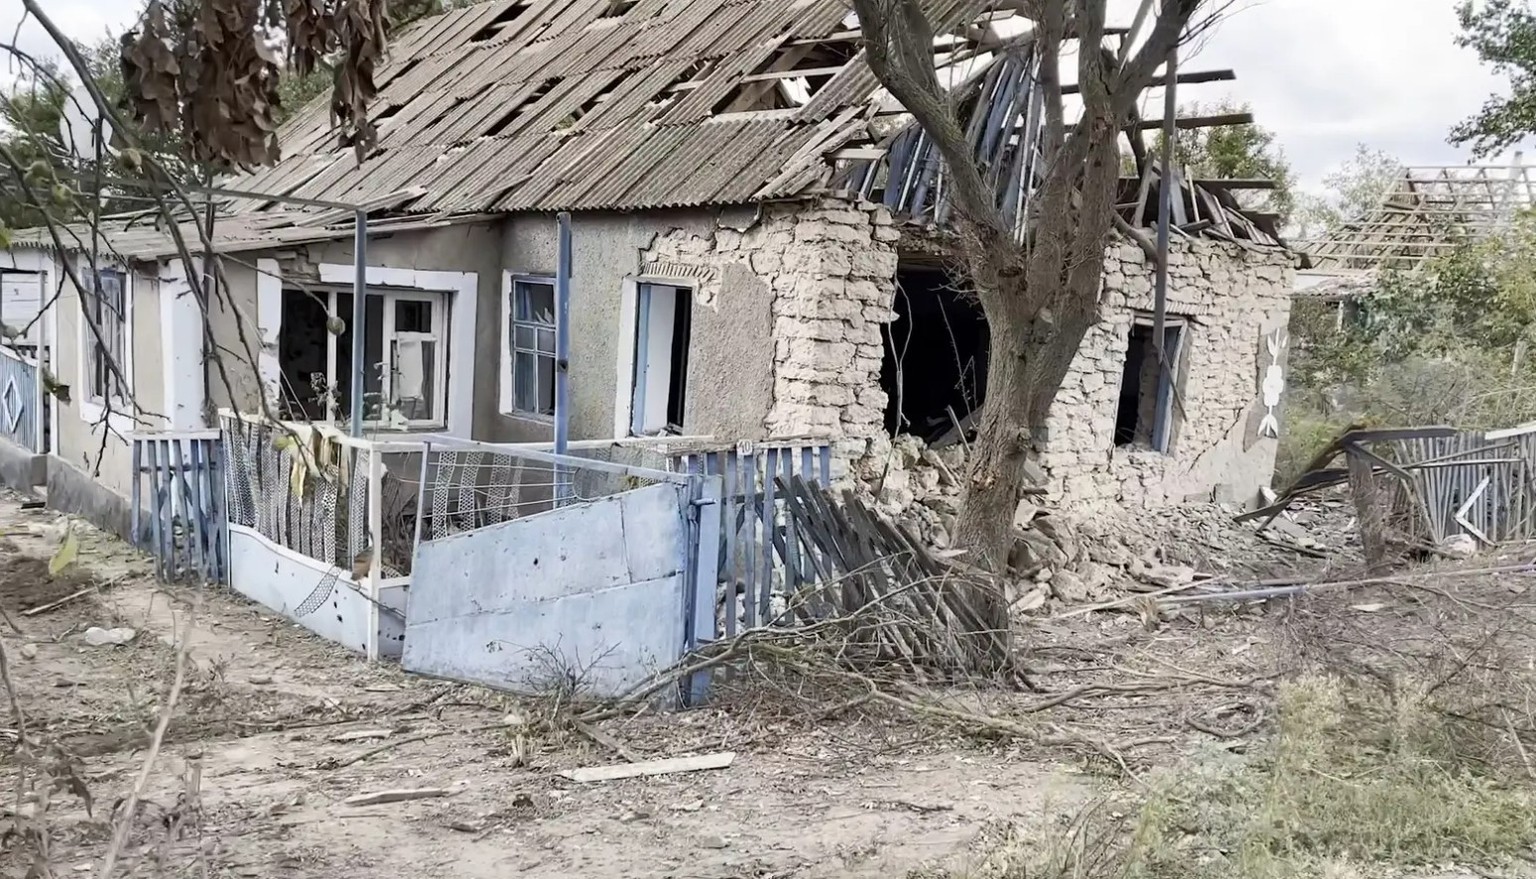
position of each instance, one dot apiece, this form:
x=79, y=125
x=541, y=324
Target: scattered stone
x=1069, y=587
x=1458, y=546
x=1031, y=599
x=96, y=636
x=260, y=680
x=713, y=841
x=29, y=651
x=1170, y=576
x=1024, y=514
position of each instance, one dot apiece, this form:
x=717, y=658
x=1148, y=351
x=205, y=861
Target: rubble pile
x=1074, y=559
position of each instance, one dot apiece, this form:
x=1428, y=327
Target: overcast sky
x=1323, y=74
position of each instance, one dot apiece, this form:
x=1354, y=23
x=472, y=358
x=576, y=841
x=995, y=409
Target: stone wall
x=830, y=271
x=1234, y=301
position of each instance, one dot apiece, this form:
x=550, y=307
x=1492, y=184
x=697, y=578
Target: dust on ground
x=276, y=728
x=278, y=724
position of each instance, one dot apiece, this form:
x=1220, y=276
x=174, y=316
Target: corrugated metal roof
x=135, y=240
x=620, y=111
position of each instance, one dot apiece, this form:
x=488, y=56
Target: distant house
x=757, y=252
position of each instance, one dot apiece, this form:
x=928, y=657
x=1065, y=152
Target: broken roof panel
x=593, y=75
x=599, y=105
x=1428, y=212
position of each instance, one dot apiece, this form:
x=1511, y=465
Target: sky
x=1324, y=75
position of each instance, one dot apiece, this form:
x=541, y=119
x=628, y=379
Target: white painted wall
x=21, y=300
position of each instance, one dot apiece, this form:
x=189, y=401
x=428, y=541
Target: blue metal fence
x=758, y=568
x=181, y=519
x=20, y=401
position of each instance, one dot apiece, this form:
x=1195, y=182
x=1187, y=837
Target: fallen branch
x=387, y=746
x=603, y=739
x=125, y=824
x=44, y=608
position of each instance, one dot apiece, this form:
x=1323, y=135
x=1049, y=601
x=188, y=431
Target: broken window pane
x=532, y=338
x=534, y=384
x=108, y=308
x=535, y=303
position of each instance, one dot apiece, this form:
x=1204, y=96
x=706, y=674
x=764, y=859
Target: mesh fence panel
x=473, y=488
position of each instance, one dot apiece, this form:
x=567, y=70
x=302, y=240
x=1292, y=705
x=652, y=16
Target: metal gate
x=536, y=571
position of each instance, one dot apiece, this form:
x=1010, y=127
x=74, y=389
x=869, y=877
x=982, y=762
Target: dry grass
x=1354, y=778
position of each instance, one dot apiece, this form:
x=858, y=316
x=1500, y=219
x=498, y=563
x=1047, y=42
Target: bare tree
x=1039, y=296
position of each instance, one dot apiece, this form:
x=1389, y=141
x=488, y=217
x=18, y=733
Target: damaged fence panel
x=759, y=565
x=1428, y=486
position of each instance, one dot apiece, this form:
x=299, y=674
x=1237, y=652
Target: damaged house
x=757, y=251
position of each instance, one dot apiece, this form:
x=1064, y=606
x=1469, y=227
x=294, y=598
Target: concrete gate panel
x=593, y=592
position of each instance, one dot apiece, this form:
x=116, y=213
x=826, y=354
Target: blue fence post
x=699, y=614
x=563, y=474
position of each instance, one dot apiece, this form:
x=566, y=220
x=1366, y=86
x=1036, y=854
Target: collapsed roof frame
x=1427, y=212
x=547, y=105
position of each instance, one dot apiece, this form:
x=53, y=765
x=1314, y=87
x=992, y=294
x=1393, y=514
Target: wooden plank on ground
x=667, y=766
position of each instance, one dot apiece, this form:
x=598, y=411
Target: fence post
x=376, y=548
x=699, y=614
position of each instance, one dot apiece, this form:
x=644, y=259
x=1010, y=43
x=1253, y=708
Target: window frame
x=93, y=406
x=1169, y=386
x=628, y=360
x=441, y=335
x=514, y=282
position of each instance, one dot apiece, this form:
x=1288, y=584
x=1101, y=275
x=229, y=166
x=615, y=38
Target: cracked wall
x=1233, y=299
x=828, y=271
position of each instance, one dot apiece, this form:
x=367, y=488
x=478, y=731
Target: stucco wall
x=731, y=342
x=461, y=248
x=1232, y=299
x=823, y=276
x=82, y=441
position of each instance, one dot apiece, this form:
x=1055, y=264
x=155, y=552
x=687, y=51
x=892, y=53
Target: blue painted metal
x=563, y=350
x=178, y=482
x=20, y=413
x=359, y=322
x=580, y=588
x=699, y=608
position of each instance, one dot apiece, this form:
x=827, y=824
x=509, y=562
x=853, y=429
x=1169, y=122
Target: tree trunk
x=1029, y=362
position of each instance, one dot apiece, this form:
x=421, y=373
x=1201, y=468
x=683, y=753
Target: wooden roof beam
x=1188, y=122
x=1193, y=77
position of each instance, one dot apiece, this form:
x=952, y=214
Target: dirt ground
x=280, y=722
x=276, y=728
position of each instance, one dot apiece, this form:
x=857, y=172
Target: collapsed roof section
x=1427, y=212
x=539, y=105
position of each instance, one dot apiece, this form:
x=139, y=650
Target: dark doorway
x=1148, y=393
x=935, y=367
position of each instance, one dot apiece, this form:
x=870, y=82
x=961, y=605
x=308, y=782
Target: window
x=1149, y=392
x=107, y=306
x=659, y=381
x=405, y=356
x=529, y=373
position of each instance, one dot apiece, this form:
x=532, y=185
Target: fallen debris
x=96, y=636
x=44, y=608
x=667, y=766
x=362, y=735
x=397, y=796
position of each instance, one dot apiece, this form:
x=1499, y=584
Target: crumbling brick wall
x=830, y=270
x=1233, y=299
